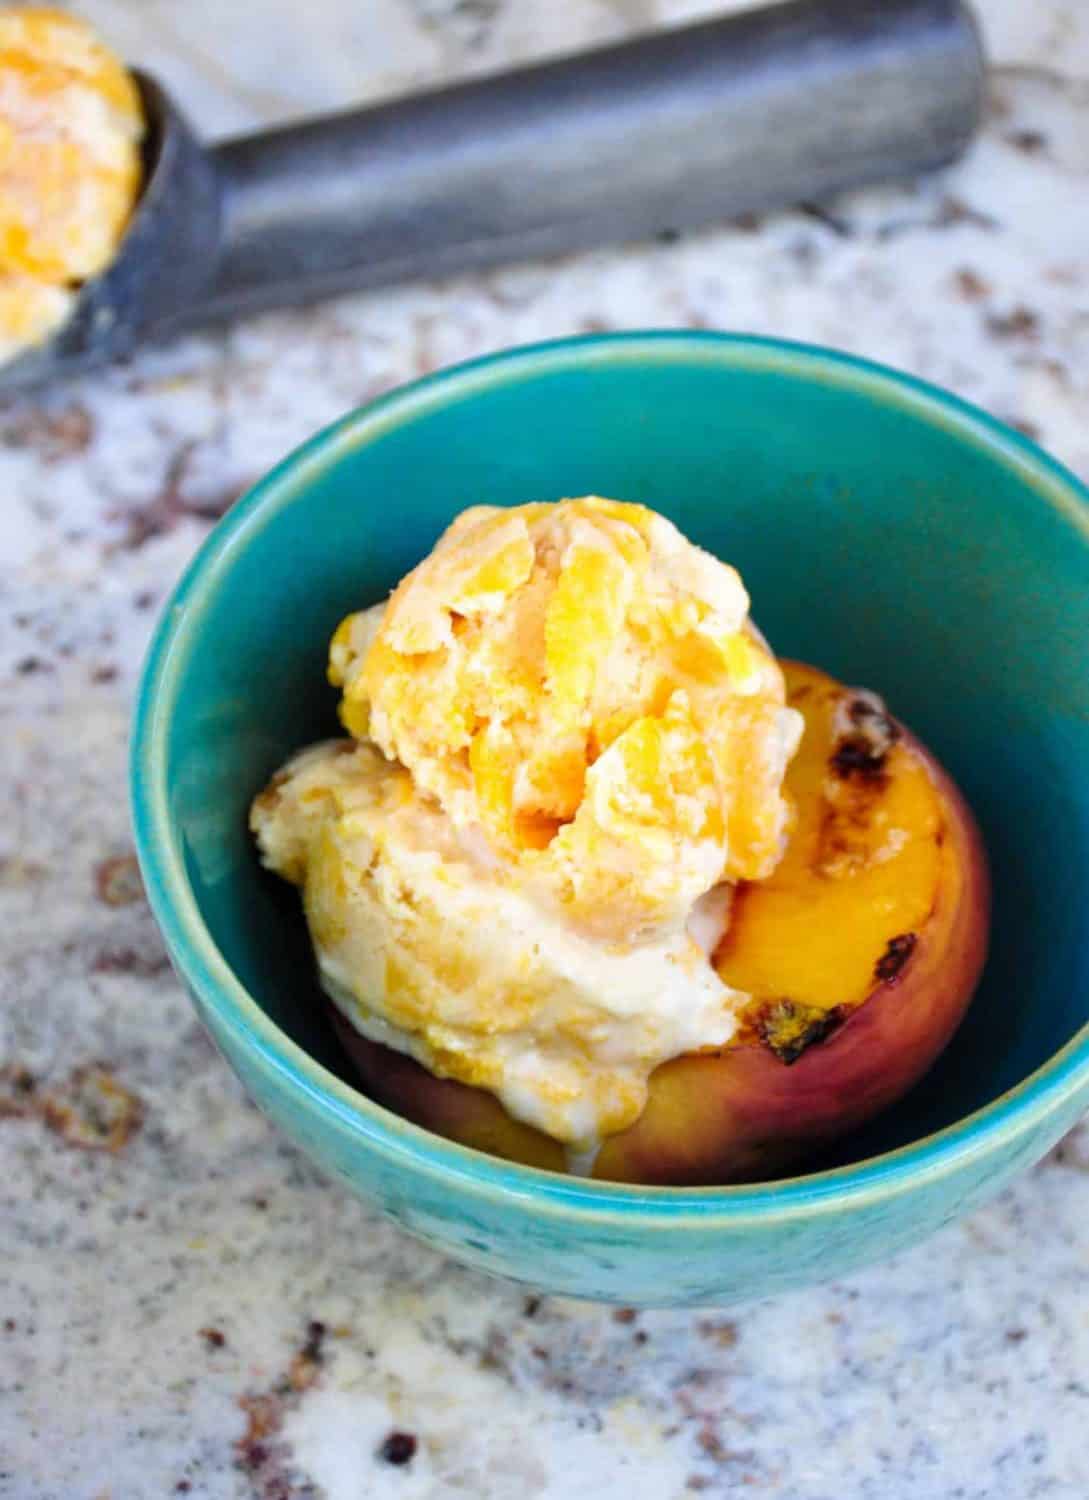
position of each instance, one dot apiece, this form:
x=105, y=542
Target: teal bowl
x=887, y=532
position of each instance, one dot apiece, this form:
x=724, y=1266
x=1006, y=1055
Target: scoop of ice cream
x=70, y=128
x=426, y=946
x=582, y=685
x=567, y=740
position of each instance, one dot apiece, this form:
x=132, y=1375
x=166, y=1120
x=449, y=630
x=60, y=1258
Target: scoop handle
x=674, y=129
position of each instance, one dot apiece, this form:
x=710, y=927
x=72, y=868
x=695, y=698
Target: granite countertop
x=186, y=1306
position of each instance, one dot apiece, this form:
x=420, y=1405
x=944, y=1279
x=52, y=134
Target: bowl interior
x=900, y=541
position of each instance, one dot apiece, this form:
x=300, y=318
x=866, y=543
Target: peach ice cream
x=71, y=124
x=568, y=741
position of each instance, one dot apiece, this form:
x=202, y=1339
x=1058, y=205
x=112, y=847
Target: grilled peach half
x=861, y=953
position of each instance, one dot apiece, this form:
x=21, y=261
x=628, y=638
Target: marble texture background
x=186, y=1307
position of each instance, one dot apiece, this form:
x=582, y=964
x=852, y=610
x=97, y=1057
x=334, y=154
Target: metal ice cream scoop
x=675, y=129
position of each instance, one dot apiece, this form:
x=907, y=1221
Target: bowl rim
x=1011, y=1116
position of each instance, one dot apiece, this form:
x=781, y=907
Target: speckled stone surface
x=186, y=1307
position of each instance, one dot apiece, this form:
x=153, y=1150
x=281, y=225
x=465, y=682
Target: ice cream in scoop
x=71, y=123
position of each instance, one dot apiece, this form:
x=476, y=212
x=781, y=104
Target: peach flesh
x=851, y=1006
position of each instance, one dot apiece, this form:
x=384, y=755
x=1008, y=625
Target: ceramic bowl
x=887, y=532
